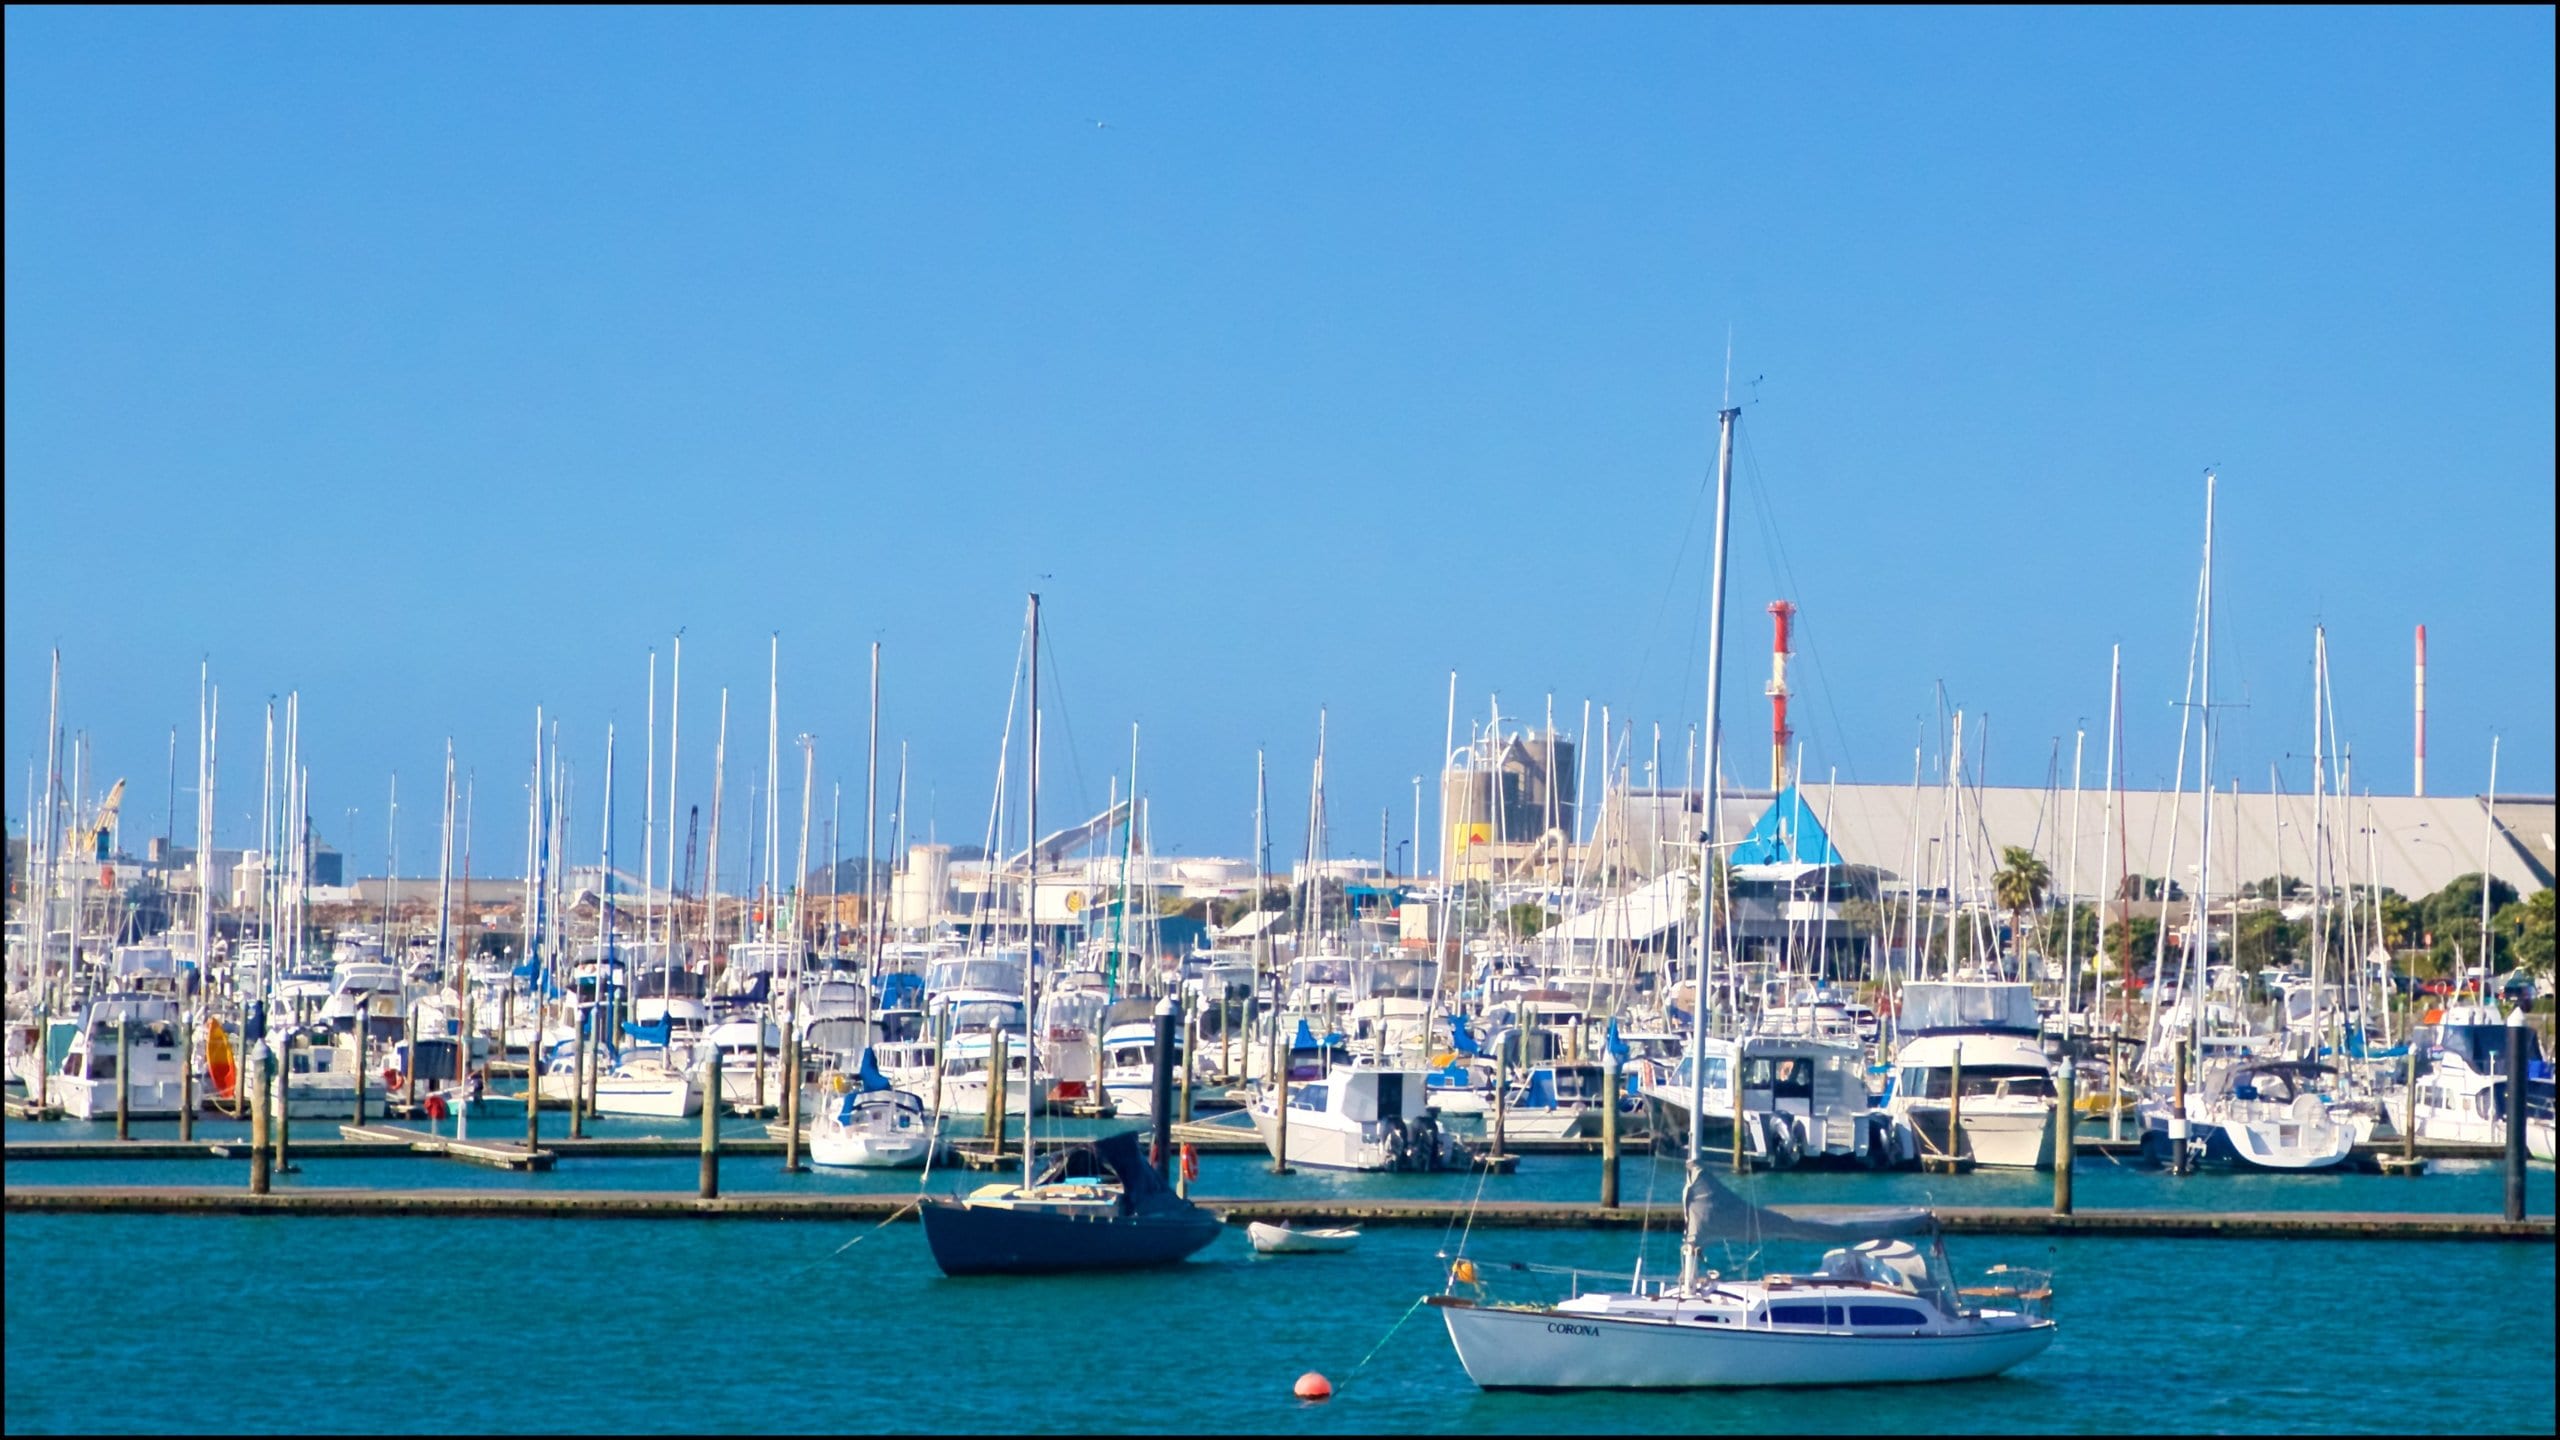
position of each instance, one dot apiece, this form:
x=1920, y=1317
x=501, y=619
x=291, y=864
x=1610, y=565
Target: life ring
x=1190, y=1163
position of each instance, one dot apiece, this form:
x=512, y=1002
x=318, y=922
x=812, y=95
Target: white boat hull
x=854, y=1149
x=669, y=1099
x=1281, y=1240
x=1996, y=1137
x=1550, y=1350
x=83, y=1099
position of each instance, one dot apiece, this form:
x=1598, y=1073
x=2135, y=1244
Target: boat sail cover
x=1718, y=1213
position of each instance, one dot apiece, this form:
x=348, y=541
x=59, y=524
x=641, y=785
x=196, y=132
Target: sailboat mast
x=871, y=825
x=1689, y=1243
x=2194, y=994
x=997, y=1060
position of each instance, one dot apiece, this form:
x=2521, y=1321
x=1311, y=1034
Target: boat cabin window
x=1784, y=1076
x=1934, y=1082
x=1895, y=1315
x=1798, y=1314
x=1307, y=1097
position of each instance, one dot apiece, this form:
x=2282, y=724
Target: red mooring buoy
x=1312, y=1386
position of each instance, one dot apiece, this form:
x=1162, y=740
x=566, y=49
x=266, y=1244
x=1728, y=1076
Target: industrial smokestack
x=1779, y=735
x=2420, y=787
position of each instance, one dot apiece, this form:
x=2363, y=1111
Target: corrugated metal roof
x=2413, y=844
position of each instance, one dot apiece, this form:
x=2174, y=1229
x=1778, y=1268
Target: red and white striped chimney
x=2421, y=774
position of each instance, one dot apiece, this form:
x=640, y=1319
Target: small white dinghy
x=1282, y=1240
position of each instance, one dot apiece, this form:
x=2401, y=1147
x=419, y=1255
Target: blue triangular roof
x=1788, y=833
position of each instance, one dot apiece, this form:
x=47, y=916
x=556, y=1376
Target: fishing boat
x=869, y=1124
x=1988, y=1030
x=2461, y=1090
x=1803, y=1100
x=83, y=1081
x=1096, y=1206
x=1881, y=1308
x=1359, y=1117
x=1271, y=1239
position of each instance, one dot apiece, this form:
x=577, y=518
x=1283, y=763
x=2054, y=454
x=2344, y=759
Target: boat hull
x=1504, y=1349
x=994, y=1240
x=669, y=1099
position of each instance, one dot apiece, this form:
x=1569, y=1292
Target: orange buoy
x=1312, y=1386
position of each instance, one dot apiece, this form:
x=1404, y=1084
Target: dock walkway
x=1505, y=1214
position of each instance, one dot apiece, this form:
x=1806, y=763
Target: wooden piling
x=2178, y=1114
x=2115, y=1086
x=710, y=1127
x=257, y=1079
x=1280, y=1107
x=1160, y=1089
x=998, y=1053
x=791, y=1094
x=533, y=1079
x=364, y=1055
x=1501, y=1096
x=1736, y=1088
x=1609, y=1076
x=1190, y=1016
x=578, y=1067
x=760, y=1088
x=409, y=1072
x=283, y=1121
x=186, y=1076
x=2065, y=1147
x=2515, y=1116
x=1955, y=1107
x=124, y=1079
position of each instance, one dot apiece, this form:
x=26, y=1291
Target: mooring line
x=858, y=1239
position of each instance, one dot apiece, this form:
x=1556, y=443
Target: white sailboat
x=1880, y=1309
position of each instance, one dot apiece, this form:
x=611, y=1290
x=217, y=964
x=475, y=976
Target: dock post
x=1609, y=1134
x=2115, y=1086
x=364, y=1057
x=186, y=1076
x=124, y=1078
x=1280, y=1104
x=1190, y=1017
x=2178, y=1114
x=1160, y=1087
x=256, y=1084
x=999, y=1055
x=1736, y=1089
x=792, y=1164
x=282, y=1123
x=2515, y=1114
x=1955, y=1109
x=409, y=1072
x=1501, y=1096
x=44, y=1061
x=760, y=1089
x=533, y=1080
x=2409, y=1108
x=711, y=1127
x=578, y=1069
x=2065, y=1148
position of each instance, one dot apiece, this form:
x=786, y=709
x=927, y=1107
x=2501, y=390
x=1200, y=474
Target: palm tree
x=2019, y=885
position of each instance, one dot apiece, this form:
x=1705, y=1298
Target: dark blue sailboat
x=1097, y=1206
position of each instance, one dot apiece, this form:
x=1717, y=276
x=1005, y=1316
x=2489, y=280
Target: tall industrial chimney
x=2421, y=780
x=1779, y=735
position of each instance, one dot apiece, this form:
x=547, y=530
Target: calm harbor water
x=157, y=1323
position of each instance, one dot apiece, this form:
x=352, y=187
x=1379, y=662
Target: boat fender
x=1190, y=1162
x=391, y=1079
x=1876, y=1156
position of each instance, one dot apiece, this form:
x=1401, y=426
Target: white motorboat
x=84, y=1082
x=1289, y=1240
x=2461, y=1085
x=1358, y=1117
x=1803, y=1099
x=877, y=1129
x=1991, y=1031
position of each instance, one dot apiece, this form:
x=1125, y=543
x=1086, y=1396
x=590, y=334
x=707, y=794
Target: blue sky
x=441, y=363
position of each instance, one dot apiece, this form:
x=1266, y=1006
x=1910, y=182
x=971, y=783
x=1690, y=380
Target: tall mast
x=2193, y=993
x=2107, y=835
x=1689, y=1241
x=871, y=821
x=772, y=791
x=675, y=880
x=997, y=1061
x=649, y=819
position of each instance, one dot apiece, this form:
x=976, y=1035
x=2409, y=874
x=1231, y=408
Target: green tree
x=1527, y=918
x=2451, y=918
x=2525, y=927
x=2019, y=885
x=2264, y=939
x=2274, y=887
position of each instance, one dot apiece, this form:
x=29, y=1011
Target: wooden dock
x=1491, y=1214
x=498, y=1154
